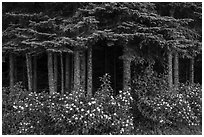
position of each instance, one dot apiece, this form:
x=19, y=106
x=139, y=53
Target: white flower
x=93, y=102
x=21, y=107
x=98, y=108
x=122, y=130
x=89, y=103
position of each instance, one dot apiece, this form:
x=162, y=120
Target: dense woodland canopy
x=153, y=33
x=56, y=57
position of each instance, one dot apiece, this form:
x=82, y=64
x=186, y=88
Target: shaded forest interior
x=102, y=68
x=106, y=59
x=105, y=37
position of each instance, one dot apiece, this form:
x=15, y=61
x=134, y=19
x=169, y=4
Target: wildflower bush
x=74, y=113
x=154, y=102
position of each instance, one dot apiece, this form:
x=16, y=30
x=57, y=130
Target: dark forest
x=102, y=68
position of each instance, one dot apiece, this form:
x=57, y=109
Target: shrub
x=193, y=94
x=74, y=113
x=154, y=102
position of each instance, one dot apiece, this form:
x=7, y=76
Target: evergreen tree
x=61, y=27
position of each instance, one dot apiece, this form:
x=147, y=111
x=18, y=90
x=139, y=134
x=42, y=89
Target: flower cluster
x=193, y=94
x=74, y=113
x=168, y=108
x=163, y=106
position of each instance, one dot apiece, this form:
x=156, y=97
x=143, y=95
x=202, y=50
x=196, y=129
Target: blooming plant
x=178, y=106
x=74, y=113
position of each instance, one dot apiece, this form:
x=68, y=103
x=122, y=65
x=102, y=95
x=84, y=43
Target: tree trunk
x=170, y=75
x=35, y=73
x=89, y=73
x=114, y=68
x=50, y=73
x=76, y=70
x=67, y=73
x=3, y=58
x=24, y=75
x=192, y=70
x=62, y=73
x=106, y=62
x=83, y=70
x=15, y=68
x=55, y=71
x=72, y=72
x=11, y=71
x=176, y=70
x=29, y=71
x=126, y=70
x=170, y=80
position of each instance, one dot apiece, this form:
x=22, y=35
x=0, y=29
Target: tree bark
x=170, y=80
x=89, y=73
x=126, y=70
x=3, y=58
x=72, y=72
x=114, y=67
x=67, y=73
x=170, y=75
x=106, y=62
x=29, y=71
x=11, y=71
x=35, y=73
x=192, y=70
x=83, y=69
x=24, y=74
x=176, y=70
x=62, y=73
x=15, y=68
x=51, y=73
x=76, y=70
x=55, y=71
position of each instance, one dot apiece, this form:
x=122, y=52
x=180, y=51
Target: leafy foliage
x=174, y=107
x=138, y=25
x=41, y=113
x=152, y=110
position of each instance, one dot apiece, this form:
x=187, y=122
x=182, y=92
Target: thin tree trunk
x=15, y=68
x=3, y=58
x=176, y=70
x=35, y=73
x=62, y=73
x=114, y=67
x=24, y=79
x=170, y=75
x=67, y=73
x=83, y=70
x=72, y=72
x=170, y=80
x=106, y=62
x=192, y=70
x=126, y=70
x=29, y=71
x=76, y=70
x=89, y=73
x=11, y=71
x=55, y=71
x=51, y=73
